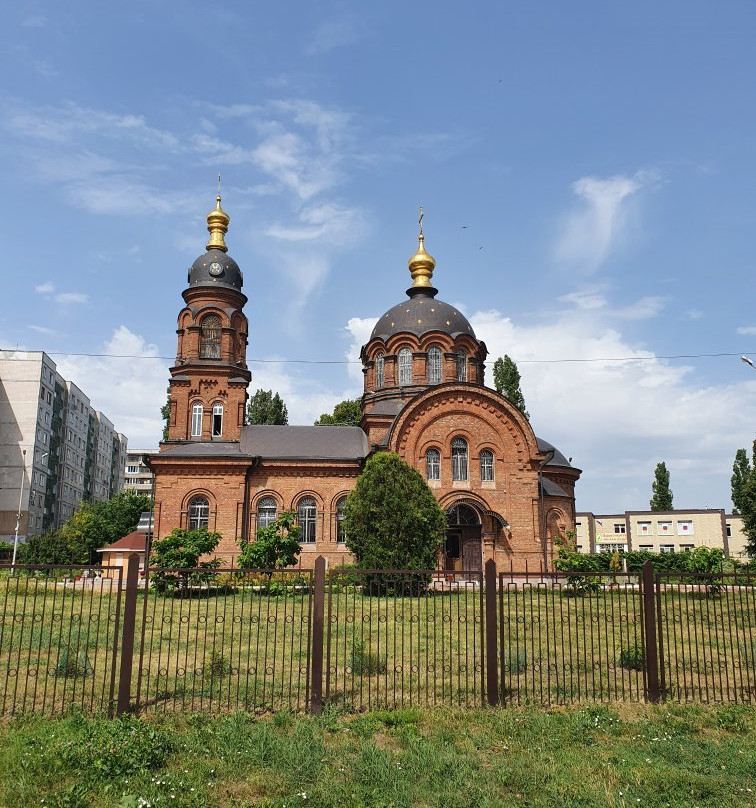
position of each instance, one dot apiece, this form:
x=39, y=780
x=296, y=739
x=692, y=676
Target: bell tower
x=209, y=378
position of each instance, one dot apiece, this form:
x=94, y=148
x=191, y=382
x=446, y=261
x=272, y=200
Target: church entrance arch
x=462, y=549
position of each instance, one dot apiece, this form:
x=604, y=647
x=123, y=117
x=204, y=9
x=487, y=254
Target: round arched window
x=199, y=512
x=266, y=512
x=380, y=369
x=459, y=459
x=306, y=513
x=210, y=337
x=461, y=515
x=405, y=366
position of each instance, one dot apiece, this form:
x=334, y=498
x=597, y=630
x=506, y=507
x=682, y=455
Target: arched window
x=380, y=367
x=199, y=510
x=405, y=366
x=340, y=517
x=197, y=420
x=486, y=465
x=434, y=365
x=306, y=513
x=266, y=512
x=461, y=515
x=210, y=337
x=433, y=464
x=459, y=459
x=461, y=366
x=217, y=420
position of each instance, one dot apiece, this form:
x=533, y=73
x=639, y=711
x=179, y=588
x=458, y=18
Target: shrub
x=366, y=662
x=632, y=659
x=176, y=558
x=276, y=545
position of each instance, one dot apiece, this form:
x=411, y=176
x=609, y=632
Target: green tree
x=662, y=493
x=345, y=413
x=507, y=382
x=97, y=524
x=51, y=548
x=392, y=519
x=744, y=494
x=165, y=413
x=177, y=558
x=265, y=407
x=276, y=545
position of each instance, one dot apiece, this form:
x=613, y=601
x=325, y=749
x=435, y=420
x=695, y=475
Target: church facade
x=507, y=493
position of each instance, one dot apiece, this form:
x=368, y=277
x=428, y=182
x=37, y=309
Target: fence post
x=318, y=612
x=653, y=693
x=492, y=629
x=127, y=636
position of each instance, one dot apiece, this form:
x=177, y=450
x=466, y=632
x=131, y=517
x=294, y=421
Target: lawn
x=679, y=756
x=249, y=648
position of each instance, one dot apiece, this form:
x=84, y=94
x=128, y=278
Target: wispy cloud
x=71, y=297
x=590, y=232
x=35, y=21
x=40, y=329
x=746, y=330
x=44, y=288
x=335, y=34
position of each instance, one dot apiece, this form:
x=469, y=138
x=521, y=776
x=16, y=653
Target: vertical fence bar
x=316, y=688
x=649, y=624
x=492, y=663
x=127, y=644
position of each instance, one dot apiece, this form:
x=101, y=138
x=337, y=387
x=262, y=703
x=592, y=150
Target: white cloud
x=617, y=418
x=44, y=288
x=693, y=314
x=591, y=232
x=335, y=34
x=360, y=329
x=129, y=391
x=746, y=330
x=40, y=329
x=71, y=297
x=35, y=21
x=642, y=309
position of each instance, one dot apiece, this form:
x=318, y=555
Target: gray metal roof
x=215, y=268
x=551, y=489
x=305, y=442
x=203, y=449
x=419, y=315
x=559, y=459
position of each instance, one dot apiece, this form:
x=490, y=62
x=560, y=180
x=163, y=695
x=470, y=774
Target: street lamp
x=18, y=515
x=748, y=361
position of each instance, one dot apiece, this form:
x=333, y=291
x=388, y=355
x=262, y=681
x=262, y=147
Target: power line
x=357, y=361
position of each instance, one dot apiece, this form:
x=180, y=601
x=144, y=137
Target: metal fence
x=229, y=640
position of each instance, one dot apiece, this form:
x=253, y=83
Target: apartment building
x=661, y=531
x=55, y=448
x=137, y=474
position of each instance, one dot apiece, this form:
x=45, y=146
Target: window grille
x=405, y=366
x=433, y=464
x=210, y=337
x=461, y=515
x=199, y=511
x=434, y=365
x=486, y=465
x=306, y=513
x=459, y=459
x=266, y=512
x=461, y=366
x=340, y=523
x=380, y=368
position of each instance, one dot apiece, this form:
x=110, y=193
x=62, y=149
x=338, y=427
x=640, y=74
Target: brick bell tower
x=209, y=379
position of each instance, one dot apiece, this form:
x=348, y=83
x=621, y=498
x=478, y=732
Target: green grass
x=244, y=649
x=677, y=756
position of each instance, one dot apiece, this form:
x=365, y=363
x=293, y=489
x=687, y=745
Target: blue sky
x=587, y=172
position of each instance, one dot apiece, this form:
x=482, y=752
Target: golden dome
x=422, y=263
x=217, y=224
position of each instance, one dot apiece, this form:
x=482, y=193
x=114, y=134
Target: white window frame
x=340, y=517
x=434, y=365
x=404, y=360
x=689, y=532
x=198, y=513
x=433, y=464
x=217, y=425
x=307, y=513
x=266, y=512
x=197, y=414
x=486, y=466
x=459, y=455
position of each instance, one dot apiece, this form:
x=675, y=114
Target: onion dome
x=422, y=312
x=216, y=267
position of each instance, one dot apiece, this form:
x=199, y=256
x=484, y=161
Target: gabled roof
x=304, y=442
x=134, y=542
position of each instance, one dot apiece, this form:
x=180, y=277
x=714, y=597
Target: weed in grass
x=365, y=662
x=71, y=665
x=734, y=718
x=633, y=659
x=515, y=661
x=283, y=719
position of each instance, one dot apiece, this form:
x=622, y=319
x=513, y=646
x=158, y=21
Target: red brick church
x=506, y=492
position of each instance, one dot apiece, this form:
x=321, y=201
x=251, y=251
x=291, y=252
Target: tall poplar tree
x=507, y=382
x=266, y=407
x=743, y=482
x=662, y=493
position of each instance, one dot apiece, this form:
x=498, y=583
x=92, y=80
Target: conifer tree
x=662, y=494
x=507, y=382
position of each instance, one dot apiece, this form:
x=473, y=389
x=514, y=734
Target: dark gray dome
x=558, y=459
x=216, y=268
x=419, y=315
